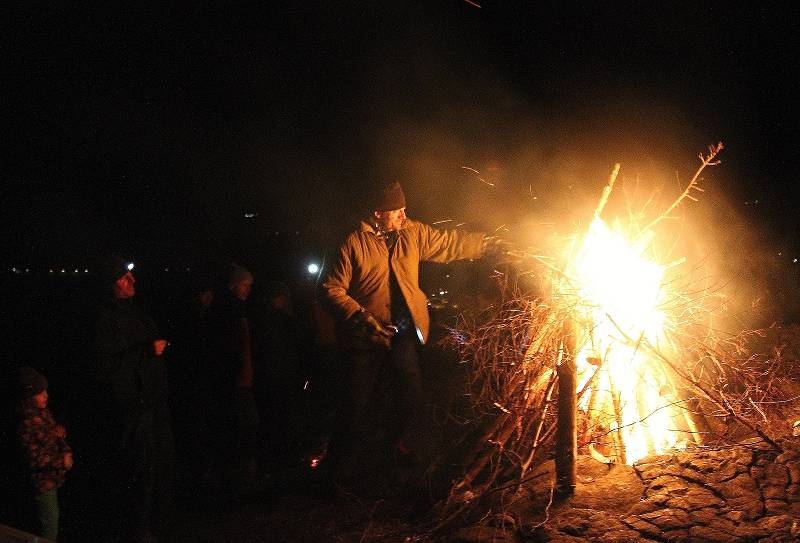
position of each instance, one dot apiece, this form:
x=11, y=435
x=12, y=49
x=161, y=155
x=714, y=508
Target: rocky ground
x=746, y=493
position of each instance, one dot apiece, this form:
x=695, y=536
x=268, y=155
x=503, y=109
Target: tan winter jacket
x=360, y=277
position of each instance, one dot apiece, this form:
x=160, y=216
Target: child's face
x=40, y=400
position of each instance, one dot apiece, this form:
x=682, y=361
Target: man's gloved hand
x=494, y=245
x=366, y=328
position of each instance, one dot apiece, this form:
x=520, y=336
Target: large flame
x=626, y=392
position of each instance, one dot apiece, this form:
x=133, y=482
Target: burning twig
x=652, y=371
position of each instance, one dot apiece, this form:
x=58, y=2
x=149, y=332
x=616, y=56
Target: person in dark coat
x=192, y=383
x=132, y=380
x=236, y=421
x=278, y=375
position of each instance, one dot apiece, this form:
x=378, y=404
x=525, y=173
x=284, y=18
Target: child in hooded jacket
x=44, y=452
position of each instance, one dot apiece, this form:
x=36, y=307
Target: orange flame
x=626, y=392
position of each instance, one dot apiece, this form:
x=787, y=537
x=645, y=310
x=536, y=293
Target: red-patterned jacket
x=42, y=447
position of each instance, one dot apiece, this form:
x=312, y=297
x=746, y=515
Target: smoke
x=472, y=148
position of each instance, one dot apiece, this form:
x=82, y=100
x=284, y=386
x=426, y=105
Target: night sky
x=156, y=129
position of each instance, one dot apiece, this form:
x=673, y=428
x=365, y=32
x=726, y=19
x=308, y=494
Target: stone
x=608, y=522
x=705, y=534
x=744, y=457
x=741, y=494
x=699, y=497
x=651, y=467
x=776, y=507
x=649, y=504
x=758, y=474
x=668, y=519
x=703, y=465
x=762, y=461
x=560, y=538
x=705, y=517
x=667, y=484
x=619, y=536
x=777, y=474
x=676, y=536
x=776, y=523
x=735, y=516
x=770, y=491
x=726, y=471
x=642, y=526
x=618, y=489
x=794, y=471
x=788, y=455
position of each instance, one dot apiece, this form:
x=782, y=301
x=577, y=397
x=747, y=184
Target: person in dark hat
x=373, y=290
x=131, y=373
x=237, y=418
x=45, y=455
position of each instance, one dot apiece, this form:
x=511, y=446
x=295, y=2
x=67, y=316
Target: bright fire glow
x=620, y=290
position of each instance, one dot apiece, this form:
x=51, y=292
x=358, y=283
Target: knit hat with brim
x=389, y=198
x=29, y=382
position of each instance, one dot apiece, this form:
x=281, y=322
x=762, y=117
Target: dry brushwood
x=515, y=354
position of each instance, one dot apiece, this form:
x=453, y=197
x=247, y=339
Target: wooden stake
x=566, y=449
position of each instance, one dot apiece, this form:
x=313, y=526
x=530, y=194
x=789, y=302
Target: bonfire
x=614, y=356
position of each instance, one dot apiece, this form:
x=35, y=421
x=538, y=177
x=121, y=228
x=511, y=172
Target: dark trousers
x=400, y=367
x=139, y=486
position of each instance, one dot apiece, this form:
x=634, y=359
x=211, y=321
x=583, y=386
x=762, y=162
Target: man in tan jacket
x=373, y=291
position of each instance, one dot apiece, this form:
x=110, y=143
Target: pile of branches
x=514, y=353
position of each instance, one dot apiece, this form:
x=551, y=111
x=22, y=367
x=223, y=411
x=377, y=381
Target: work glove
x=369, y=332
x=494, y=245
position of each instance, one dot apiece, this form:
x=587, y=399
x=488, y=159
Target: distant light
x=313, y=268
x=85, y=270
x=76, y=270
x=50, y=270
x=250, y=215
x=795, y=260
x=63, y=270
x=129, y=266
x=14, y=270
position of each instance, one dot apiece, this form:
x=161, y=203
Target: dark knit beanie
x=237, y=274
x=389, y=198
x=111, y=268
x=29, y=382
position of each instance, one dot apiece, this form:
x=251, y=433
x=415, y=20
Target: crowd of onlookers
x=232, y=389
x=216, y=400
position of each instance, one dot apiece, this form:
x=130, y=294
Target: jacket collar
x=367, y=226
